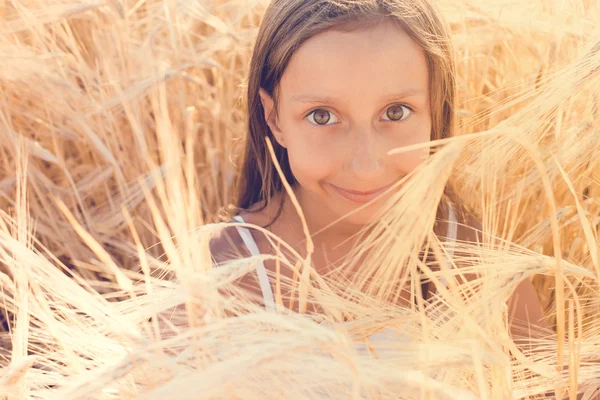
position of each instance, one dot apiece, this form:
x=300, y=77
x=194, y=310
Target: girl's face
x=345, y=100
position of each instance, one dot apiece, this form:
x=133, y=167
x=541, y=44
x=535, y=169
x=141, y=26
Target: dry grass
x=119, y=124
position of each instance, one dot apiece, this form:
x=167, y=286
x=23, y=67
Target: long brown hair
x=287, y=24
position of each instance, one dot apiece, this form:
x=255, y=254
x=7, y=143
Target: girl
x=335, y=85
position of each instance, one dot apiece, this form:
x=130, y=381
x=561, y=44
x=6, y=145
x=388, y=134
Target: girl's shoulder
x=231, y=242
x=226, y=243
x=468, y=223
x=235, y=241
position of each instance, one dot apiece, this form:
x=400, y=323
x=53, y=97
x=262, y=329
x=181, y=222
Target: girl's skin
x=346, y=99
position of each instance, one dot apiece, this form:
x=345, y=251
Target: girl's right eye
x=321, y=117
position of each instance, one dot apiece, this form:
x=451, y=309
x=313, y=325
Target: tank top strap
x=452, y=229
x=261, y=271
x=450, y=238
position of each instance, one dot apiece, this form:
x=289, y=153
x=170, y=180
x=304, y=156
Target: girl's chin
x=352, y=214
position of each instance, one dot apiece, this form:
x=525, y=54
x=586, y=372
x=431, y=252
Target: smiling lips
x=358, y=196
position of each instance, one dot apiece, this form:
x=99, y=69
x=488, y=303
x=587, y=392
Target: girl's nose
x=365, y=161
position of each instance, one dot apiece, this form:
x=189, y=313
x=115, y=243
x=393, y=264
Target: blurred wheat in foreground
x=118, y=128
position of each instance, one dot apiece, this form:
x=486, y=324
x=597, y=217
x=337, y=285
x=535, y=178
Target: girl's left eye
x=397, y=112
x=321, y=117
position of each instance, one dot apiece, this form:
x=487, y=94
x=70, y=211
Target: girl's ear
x=269, y=107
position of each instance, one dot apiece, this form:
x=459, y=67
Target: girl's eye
x=320, y=117
x=398, y=112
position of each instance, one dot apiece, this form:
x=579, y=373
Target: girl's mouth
x=360, y=196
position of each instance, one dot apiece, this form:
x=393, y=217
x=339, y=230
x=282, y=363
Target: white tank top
x=261, y=271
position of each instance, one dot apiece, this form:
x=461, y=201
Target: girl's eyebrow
x=310, y=98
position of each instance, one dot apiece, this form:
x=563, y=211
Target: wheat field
x=121, y=123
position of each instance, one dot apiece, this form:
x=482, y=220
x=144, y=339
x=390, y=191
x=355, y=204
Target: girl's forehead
x=382, y=59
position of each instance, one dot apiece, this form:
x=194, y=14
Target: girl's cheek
x=311, y=160
x=408, y=162
x=420, y=134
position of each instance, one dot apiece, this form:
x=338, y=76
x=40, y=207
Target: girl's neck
x=319, y=218
x=331, y=243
